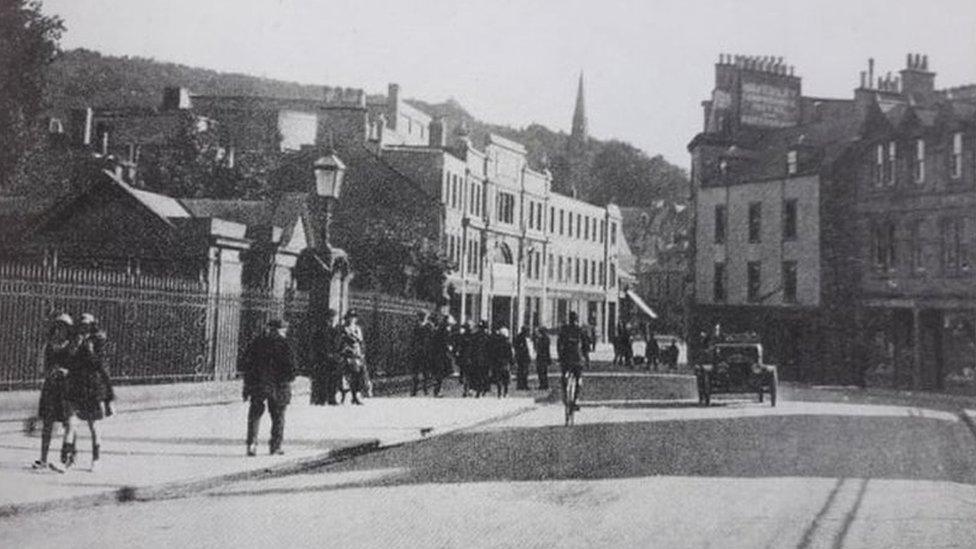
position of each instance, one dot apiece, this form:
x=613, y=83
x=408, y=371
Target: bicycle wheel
x=569, y=400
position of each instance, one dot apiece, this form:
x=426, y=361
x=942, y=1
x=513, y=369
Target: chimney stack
x=435, y=132
x=916, y=78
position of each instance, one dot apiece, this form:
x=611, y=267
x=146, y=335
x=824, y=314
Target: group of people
x=482, y=357
x=654, y=355
x=76, y=387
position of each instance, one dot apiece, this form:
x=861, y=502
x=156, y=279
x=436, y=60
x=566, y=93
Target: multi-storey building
x=771, y=205
x=841, y=230
x=524, y=254
x=916, y=205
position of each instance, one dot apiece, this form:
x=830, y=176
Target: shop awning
x=644, y=307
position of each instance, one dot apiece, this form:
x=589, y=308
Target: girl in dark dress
x=88, y=388
x=54, y=405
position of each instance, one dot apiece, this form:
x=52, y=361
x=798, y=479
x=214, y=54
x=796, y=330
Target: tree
x=628, y=177
x=28, y=43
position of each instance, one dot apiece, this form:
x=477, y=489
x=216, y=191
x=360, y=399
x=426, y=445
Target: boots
x=68, y=454
x=96, y=454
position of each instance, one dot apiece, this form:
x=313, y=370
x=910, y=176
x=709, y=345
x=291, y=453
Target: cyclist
x=572, y=347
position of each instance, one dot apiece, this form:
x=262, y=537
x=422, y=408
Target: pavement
x=737, y=474
x=161, y=451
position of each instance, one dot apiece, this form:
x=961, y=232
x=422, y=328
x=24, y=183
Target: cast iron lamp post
x=329, y=172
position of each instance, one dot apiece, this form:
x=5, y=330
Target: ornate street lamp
x=329, y=172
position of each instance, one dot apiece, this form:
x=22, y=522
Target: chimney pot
x=925, y=62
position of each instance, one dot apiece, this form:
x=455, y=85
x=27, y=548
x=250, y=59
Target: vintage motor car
x=734, y=364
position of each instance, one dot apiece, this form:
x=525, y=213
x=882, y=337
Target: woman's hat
x=64, y=318
x=86, y=318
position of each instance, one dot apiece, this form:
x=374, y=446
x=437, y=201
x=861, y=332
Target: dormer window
x=791, y=162
x=955, y=160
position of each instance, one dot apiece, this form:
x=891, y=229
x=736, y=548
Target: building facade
x=772, y=204
x=916, y=206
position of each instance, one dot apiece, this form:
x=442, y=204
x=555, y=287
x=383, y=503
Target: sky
x=647, y=64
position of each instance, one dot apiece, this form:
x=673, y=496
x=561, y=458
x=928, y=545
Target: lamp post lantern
x=329, y=172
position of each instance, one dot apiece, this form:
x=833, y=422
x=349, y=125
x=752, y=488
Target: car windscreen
x=734, y=353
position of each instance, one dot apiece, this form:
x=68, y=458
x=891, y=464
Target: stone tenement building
x=524, y=253
x=916, y=226
x=792, y=224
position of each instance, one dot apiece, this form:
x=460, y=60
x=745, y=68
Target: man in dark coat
x=572, y=344
x=480, y=380
x=268, y=373
x=543, y=357
x=463, y=348
x=420, y=347
x=652, y=352
x=522, y=358
x=326, y=358
x=500, y=358
x=442, y=353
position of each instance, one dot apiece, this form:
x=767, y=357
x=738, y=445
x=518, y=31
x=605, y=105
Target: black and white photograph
x=506, y=274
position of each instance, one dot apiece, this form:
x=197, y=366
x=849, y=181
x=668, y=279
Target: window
x=789, y=219
x=561, y=220
x=603, y=231
x=586, y=271
x=915, y=259
x=613, y=233
x=955, y=158
x=918, y=161
x=613, y=275
x=538, y=265
x=879, y=166
x=889, y=165
x=754, y=283
x=528, y=265
x=789, y=281
x=552, y=219
x=549, y=267
x=506, y=207
x=570, y=225
x=955, y=260
x=586, y=228
x=720, y=223
x=755, y=221
x=603, y=274
x=579, y=226
x=718, y=283
x=560, y=268
x=593, y=272
x=884, y=246
x=576, y=271
x=791, y=164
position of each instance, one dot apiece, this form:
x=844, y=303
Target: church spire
x=579, y=115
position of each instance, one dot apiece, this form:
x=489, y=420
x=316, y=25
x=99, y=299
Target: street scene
x=518, y=274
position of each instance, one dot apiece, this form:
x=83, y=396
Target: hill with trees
x=620, y=172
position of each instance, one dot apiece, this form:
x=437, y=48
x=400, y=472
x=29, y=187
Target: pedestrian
x=325, y=354
x=626, y=346
x=88, y=388
x=523, y=357
x=268, y=372
x=420, y=340
x=353, y=355
x=54, y=406
x=652, y=352
x=480, y=378
x=463, y=348
x=442, y=353
x=672, y=356
x=500, y=359
x=543, y=357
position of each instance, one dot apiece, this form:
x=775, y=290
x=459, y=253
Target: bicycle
x=570, y=394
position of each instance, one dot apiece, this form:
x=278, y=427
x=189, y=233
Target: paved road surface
x=804, y=475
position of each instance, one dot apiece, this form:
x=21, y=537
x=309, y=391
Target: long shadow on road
x=744, y=447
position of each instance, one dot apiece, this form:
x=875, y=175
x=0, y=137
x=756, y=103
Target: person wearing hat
x=268, y=372
x=572, y=347
x=89, y=388
x=353, y=356
x=54, y=405
x=326, y=358
x=420, y=351
x=500, y=359
x=480, y=378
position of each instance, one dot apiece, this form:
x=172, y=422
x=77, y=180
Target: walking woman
x=54, y=405
x=87, y=389
x=353, y=356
